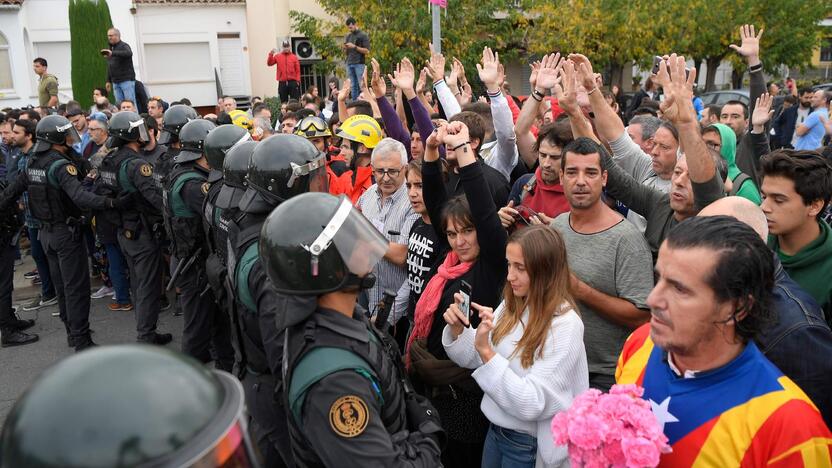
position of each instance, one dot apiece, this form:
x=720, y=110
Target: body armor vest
x=48, y=203
x=183, y=225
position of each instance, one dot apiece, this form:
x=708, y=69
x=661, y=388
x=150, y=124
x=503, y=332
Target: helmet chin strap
x=354, y=281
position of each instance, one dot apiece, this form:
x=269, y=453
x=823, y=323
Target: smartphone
x=656, y=62
x=465, y=290
x=103, y=52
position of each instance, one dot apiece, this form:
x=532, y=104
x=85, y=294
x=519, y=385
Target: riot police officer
x=11, y=326
x=281, y=167
x=140, y=225
x=56, y=199
x=346, y=395
x=206, y=326
x=97, y=410
x=173, y=120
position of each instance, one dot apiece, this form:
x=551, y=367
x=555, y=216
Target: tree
x=403, y=29
x=89, y=21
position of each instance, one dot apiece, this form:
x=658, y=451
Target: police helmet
x=128, y=405
x=126, y=127
x=234, y=171
x=192, y=138
x=281, y=167
x=220, y=140
x=173, y=120
x=317, y=243
x=54, y=130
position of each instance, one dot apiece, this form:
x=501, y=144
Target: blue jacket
x=800, y=343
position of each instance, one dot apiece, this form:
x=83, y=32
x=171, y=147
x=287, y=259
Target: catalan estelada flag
x=744, y=414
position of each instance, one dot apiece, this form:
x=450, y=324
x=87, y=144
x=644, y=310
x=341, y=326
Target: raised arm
x=392, y=124
x=343, y=94
x=402, y=78
x=505, y=157
x=433, y=187
x=566, y=93
x=436, y=69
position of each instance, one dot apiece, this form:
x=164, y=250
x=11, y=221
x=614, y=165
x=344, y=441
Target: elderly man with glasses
x=387, y=206
x=97, y=128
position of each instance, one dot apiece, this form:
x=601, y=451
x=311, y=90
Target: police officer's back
x=346, y=397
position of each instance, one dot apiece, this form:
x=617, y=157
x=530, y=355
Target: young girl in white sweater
x=529, y=354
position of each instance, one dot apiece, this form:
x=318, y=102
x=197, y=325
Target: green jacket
x=811, y=267
x=729, y=153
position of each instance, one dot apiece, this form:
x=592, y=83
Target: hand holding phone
x=465, y=305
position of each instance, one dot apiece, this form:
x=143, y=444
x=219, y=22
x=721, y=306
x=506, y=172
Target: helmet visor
x=70, y=133
x=359, y=244
x=314, y=170
x=142, y=128
x=165, y=137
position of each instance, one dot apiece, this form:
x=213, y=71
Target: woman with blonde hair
x=528, y=354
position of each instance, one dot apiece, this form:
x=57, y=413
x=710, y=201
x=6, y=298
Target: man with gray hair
x=121, y=78
x=387, y=206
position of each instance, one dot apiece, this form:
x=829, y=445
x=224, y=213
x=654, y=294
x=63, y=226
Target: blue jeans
x=125, y=90
x=506, y=448
x=47, y=291
x=355, y=72
x=118, y=272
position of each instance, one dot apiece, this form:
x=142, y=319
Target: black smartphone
x=656, y=62
x=465, y=290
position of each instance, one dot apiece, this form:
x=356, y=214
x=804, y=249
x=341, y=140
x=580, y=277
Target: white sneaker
x=102, y=292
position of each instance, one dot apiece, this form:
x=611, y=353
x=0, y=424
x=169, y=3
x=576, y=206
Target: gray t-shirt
x=360, y=39
x=616, y=262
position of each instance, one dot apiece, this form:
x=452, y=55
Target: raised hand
x=584, y=68
x=482, y=341
x=455, y=134
x=762, y=111
x=534, y=68
x=436, y=65
x=420, y=83
x=567, y=91
x=453, y=77
x=344, y=92
x=750, y=45
x=550, y=69
x=463, y=80
x=489, y=69
x=377, y=81
x=678, y=104
x=403, y=76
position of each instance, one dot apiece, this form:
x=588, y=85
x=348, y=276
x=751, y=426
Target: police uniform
x=11, y=327
x=345, y=395
x=140, y=231
x=55, y=195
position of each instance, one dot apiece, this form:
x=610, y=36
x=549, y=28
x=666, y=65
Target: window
x=826, y=50
x=57, y=54
x=5, y=64
x=179, y=62
x=309, y=76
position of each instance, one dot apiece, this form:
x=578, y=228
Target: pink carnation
x=616, y=430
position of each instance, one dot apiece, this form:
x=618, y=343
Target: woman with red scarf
x=476, y=244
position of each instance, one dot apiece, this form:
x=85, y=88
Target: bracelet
x=460, y=146
x=537, y=95
x=593, y=90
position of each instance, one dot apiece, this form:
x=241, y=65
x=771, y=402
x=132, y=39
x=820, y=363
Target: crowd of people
x=401, y=273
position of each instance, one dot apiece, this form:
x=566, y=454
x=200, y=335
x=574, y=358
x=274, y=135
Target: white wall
x=180, y=51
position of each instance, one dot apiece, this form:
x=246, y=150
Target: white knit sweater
x=522, y=399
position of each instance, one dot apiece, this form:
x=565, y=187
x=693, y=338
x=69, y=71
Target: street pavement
x=21, y=365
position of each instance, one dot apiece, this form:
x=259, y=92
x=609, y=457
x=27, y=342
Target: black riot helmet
x=192, y=138
x=54, y=130
x=281, y=167
x=106, y=407
x=317, y=243
x=173, y=120
x=125, y=127
x=220, y=140
x=234, y=171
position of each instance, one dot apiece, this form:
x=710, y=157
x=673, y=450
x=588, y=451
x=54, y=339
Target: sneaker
x=19, y=325
x=31, y=274
x=16, y=338
x=115, y=307
x=49, y=302
x=34, y=304
x=102, y=292
x=36, y=280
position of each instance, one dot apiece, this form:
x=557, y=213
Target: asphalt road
x=21, y=365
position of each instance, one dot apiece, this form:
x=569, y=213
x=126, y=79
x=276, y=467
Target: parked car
x=721, y=97
x=825, y=86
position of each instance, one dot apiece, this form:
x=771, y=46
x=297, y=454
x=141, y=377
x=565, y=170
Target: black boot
x=160, y=339
x=83, y=342
x=20, y=325
x=12, y=337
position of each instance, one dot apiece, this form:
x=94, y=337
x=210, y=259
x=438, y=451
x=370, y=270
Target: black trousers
x=7, y=254
x=68, y=266
x=288, y=89
x=268, y=420
x=144, y=260
x=207, y=327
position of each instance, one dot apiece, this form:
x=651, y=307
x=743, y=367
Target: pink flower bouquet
x=615, y=429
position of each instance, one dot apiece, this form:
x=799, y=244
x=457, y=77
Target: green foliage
x=88, y=24
x=274, y=105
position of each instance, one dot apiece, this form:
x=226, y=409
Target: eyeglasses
x=393, y=173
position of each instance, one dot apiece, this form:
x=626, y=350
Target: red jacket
x=288, y=66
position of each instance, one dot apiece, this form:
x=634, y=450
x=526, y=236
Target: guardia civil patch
x=205, y=187
x=71, y=170
x=146, y=170
x=348, y=416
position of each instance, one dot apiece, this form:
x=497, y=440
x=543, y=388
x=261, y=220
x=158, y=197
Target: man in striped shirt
x=387, y=206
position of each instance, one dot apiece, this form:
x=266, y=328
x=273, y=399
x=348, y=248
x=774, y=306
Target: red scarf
x=450, y=269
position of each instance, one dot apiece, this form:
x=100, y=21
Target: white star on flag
x=662, y=412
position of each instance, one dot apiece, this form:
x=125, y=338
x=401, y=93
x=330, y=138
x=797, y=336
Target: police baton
x=181, y=268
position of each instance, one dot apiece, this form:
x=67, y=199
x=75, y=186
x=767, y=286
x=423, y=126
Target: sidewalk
x=23, y=288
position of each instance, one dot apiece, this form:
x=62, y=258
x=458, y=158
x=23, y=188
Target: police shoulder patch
x=71, y=170
x=146, y=170
x=205, y=187
x=348, y=416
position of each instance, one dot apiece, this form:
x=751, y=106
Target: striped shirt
x=393, y=217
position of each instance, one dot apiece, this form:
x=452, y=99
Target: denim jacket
x=800, y=343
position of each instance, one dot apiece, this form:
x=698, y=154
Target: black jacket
x=784, y=125
x=120, y=64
